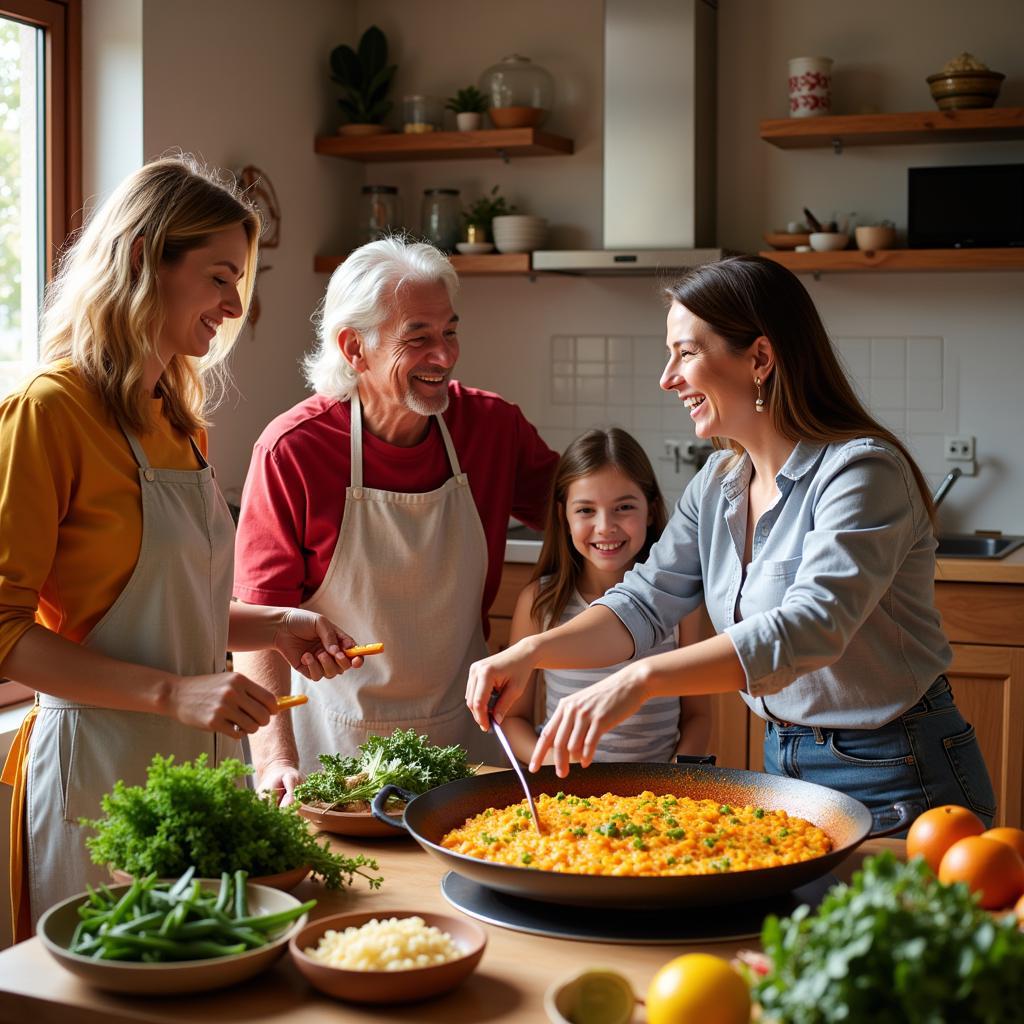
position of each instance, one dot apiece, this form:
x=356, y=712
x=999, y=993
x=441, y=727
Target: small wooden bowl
x=388, y=986
x=786, y=239
x=517, y=117
x=353, y=823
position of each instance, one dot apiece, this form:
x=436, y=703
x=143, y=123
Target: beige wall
x=246, y=82
x=261, y=99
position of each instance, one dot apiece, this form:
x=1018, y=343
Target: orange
x=935, y=831
x=992, y=869
x=1011, y=836
x=698, y=988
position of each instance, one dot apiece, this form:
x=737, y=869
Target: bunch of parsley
x=190, y=814
x=401, y=759
x=895, y=946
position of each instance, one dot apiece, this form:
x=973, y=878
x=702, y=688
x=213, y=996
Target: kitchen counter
x=508, y=985
x=523, y=545
x=981, y=570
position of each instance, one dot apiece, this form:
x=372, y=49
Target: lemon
x=698, y=989
x=596, y=997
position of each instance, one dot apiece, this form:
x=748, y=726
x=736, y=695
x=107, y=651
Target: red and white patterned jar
x=810, y=86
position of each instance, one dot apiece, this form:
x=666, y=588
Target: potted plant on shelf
x=365, y=78
x=479, y=216
x=469, y=105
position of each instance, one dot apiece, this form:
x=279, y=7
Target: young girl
x=605, y=512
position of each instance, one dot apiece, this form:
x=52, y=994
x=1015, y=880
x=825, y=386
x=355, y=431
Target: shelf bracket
x=503, y=153
x=816, y=274
x=837, y=147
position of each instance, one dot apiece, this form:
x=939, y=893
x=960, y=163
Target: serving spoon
x=503, y=740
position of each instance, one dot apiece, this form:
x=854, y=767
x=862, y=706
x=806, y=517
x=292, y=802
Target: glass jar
x=379, y=212
x=440, y=220
x=422, y=114
x=520, y=92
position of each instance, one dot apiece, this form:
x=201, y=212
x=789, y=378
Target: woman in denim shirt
x=809, y=537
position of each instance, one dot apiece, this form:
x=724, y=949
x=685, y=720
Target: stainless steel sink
x=972, y=545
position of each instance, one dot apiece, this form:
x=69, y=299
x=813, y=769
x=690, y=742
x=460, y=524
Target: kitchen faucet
x=947, y=482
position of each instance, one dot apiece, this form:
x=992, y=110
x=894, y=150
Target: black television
x=979, y=206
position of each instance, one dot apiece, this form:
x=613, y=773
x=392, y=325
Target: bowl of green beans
x=156, y=937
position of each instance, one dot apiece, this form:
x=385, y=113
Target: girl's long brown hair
x=588, y=454
x=808, y=395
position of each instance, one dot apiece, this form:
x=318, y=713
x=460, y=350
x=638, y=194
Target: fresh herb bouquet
x=191, y=814
x=896, y=946
x=401, y=759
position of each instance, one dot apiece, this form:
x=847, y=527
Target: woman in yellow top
x=116, y=545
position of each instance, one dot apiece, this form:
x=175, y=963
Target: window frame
x=61, y=22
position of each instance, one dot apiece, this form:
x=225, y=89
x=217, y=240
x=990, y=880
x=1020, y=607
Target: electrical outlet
x=960, y=448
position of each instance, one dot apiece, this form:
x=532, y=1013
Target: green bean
x=266, y=922
x=224, y=896
x=182, y=883
x=241, y=901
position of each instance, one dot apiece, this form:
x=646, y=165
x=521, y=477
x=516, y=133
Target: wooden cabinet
x=985, y=625
x=514, y=577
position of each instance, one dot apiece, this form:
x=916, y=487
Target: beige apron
x=172, y=615
x=408, y=569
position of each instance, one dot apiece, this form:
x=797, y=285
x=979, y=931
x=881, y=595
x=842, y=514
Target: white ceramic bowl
x=828, y=241
x=57, y=926
x=519, y=232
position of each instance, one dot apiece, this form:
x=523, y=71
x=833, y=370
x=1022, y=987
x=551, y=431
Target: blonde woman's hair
x=361, y=296
x=808, y=394
x=106, y=316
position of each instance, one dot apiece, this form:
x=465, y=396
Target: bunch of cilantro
x=190, y=814
x=895, y=946
x=401, y=759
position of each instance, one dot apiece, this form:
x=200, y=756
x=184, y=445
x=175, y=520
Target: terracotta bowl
x=57, y=926
x=517, y=117
x=388, y=986
x=962, y=90
x=354, y=823
x=356, y=129
x=283, y=880
x=871, y=237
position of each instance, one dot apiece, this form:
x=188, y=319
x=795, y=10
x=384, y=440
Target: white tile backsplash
x=910, y=384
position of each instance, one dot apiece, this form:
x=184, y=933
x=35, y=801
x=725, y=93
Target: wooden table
x=508, y=985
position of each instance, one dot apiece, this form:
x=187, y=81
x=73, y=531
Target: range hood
x=659, y=141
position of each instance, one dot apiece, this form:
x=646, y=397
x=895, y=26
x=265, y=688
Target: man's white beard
x=424, y=406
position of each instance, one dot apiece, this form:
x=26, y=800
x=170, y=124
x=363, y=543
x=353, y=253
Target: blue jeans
x=926, y=757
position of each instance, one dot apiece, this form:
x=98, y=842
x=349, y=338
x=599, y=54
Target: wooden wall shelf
x=920, y=260
x=493, y=264
x=987, y=125
x=484, y=144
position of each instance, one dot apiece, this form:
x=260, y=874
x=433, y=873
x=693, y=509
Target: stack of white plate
x=519, y=232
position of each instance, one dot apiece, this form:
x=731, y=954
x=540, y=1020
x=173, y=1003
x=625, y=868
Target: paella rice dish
x=637, y=835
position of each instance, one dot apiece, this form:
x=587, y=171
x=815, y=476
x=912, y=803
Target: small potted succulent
x=469, y=105
x=480, y=214
x=365, y=78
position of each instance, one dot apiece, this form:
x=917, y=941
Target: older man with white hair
x=382, y=501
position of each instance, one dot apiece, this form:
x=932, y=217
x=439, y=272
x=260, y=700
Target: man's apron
x=171, y=615
x=408, y=570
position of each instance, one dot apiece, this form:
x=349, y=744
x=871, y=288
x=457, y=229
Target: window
x=40, y=187
x=40, y=175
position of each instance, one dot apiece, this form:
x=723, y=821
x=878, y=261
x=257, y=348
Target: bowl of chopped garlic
x=391, y=956
x=965, y=82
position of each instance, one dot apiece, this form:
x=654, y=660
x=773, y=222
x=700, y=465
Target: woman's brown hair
x=559, y=560
x=808, y=394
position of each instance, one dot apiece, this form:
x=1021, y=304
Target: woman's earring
x=759, y=401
